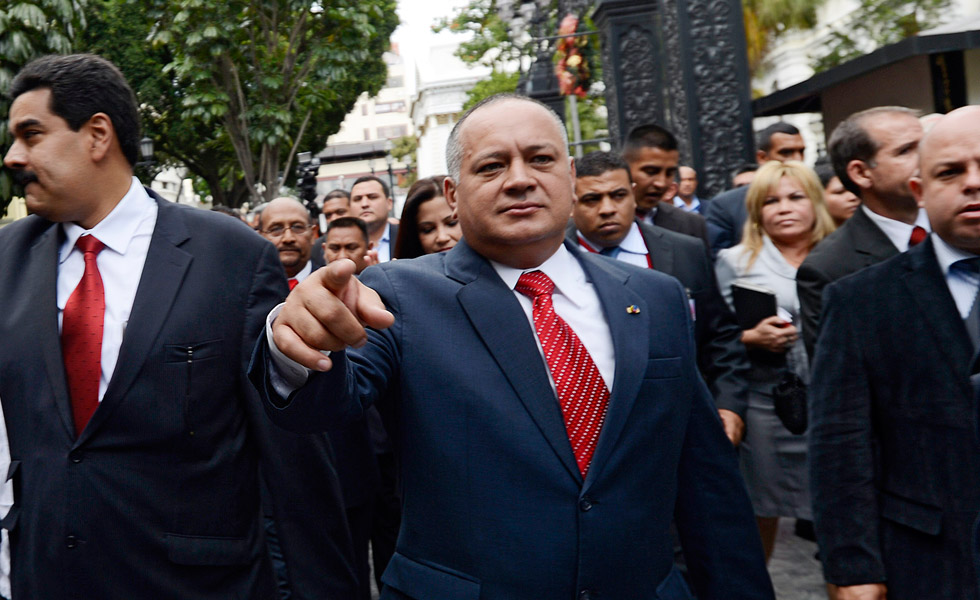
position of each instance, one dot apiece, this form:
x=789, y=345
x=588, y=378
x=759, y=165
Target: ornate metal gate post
x=680, y=63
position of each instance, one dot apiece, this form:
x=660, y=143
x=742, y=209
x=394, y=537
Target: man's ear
x=860, y=173
x=449, y=191
x=915, y=184
x=102, y=134
x=761, y=157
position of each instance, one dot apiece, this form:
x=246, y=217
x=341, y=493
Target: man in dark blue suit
x=895, y=459
x=508, y=491
x=126, y=327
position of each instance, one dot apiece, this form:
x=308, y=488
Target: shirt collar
x=386, y=236
x=897, y=231
x=679, y=203
x=562, y=268
x=117, y=229
x=633, y=242
x=304, y=272
x=946, y=254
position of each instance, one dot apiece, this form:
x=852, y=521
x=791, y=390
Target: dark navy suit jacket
x=159, y=496
x=894, y=454
x=494, y=506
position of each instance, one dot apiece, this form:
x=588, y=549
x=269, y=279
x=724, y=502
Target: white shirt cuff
x=285, y=374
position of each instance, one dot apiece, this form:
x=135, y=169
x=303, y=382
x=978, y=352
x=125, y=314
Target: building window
x=364, y=109
x=367, y=134
x=387, y=107
x=395, y=81
x=392, y=131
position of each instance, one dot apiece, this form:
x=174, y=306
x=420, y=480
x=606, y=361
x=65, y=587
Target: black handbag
x=789, y=400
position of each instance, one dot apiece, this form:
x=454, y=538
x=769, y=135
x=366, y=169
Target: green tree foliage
x=404, y=149
x=878, y=23
x=491, y=42
x=29, y=29
x=497, y=83
x=766, y=19
x=277, y=75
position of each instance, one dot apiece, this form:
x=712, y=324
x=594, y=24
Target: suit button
x=76, y=456
x=586, y=505
x=585, y=595
x=71, y=541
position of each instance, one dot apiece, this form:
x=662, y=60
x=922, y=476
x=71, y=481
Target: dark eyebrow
x=26, y=123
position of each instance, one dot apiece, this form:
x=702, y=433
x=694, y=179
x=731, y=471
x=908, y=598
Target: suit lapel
x=927, y=287
x=43, y=265
x=870, y=241
x=498, y=319
x=164, y=270
x=631, y=344
x=661, y=253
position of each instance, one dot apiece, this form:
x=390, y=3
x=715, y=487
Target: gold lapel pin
x=633, y=309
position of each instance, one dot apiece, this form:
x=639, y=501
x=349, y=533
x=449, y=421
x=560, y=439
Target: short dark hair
x=851, y=141
x=745, y=168
x=337, y=193
x=342, y=222
x=763, y=139
x=824, y=171
x=82, y=85
x=597, y=162
x=408, y=244
x=649, y=135
x=365, y=178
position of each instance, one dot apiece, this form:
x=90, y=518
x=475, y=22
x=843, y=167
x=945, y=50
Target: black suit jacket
x=159, y=497
x=670, y=217
x=721, y=354
x=858, y=243
x=893, y=445
x=726, y=214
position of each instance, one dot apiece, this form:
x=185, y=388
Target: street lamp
x=390, y=160
x=146, y=152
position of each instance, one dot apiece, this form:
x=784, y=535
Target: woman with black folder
x=787, y=216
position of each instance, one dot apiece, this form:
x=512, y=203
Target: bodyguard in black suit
x=874, y=153
x=603, y=222
x=895, y=459
x=139, y=476
x=652, y=154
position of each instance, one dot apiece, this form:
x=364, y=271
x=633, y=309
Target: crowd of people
x=550, y=378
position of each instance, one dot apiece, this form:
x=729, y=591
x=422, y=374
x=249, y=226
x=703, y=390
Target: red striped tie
x=582, y=393
x=81, y=336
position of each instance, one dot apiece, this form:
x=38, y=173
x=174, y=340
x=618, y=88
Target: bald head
x=948, y=183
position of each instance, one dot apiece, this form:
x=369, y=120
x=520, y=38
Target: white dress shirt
x=304, y=272
x=632, y=249
x=126, y=233
x=384, y=245
x=963, y=284
x=897, y=231
x=576, y=302
x=692, y=207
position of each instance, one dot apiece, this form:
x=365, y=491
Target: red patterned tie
x=582, y=393
x=81, y=336
x=918, y=236
x=293, y=282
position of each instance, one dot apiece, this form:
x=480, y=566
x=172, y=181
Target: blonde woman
x=787, y=217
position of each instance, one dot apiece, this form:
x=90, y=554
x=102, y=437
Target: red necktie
x=292, y=283
x=918, y=236
x=582, y=393
x=81, y=335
